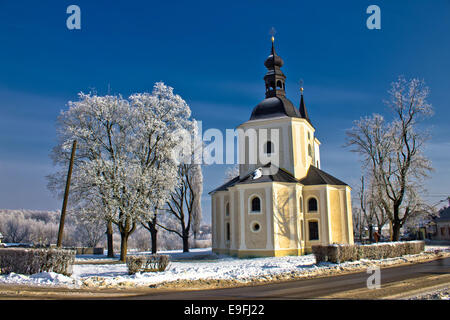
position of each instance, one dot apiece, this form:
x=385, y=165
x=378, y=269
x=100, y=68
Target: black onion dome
x=273, y=60
x=275, y=107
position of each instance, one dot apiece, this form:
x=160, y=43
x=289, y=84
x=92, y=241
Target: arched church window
x=312, y=205
x=269, y=148
x=256, y=204
x=228, y=232
x=301, y=204
x=279, y=84
x=227, y=209
x=313, y=228
x=309, y=150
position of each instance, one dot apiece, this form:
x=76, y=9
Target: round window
x=256, y=227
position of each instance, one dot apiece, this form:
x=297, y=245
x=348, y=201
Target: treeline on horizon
x=40, y=227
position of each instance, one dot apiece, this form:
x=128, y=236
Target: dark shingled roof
x=302, y=110
x=275, y=107
x=314, y=177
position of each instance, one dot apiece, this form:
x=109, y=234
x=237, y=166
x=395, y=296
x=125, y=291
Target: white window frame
x=249, y=204
x=307, y=204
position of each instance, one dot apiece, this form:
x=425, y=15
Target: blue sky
x=212, y=53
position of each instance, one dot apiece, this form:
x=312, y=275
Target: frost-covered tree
x=231, y=173
x=185, y=201
x=89, y=225
x=124, y=164
x=164, y=115
x=369, y=211
x=392, y=152
x=32, y=227
x=197, y=213
x=186, y=154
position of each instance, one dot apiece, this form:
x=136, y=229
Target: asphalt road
x=309, y=288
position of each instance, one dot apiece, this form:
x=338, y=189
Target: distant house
x=443, y=225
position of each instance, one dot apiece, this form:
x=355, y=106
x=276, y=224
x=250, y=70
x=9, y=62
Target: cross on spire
x=272, y=32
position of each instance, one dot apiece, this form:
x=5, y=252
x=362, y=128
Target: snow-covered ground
x=195, y=265
x=221, y=268
x=440, y=294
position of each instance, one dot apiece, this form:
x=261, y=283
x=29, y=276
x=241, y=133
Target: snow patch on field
x=223, y=268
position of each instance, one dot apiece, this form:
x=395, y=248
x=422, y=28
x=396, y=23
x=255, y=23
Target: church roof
x=314, y=176
x=302, y=109
x=275, y=107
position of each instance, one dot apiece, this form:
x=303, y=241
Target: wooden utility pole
x=66, y=196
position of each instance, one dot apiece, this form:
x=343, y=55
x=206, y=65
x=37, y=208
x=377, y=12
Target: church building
x=281, y=207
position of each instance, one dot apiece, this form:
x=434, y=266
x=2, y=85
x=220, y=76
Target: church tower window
x=256, y=204
x=227, y=209
x=312, y=205
x=269, y=147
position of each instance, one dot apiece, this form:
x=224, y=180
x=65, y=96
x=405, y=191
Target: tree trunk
x=396, y=230
x=185, y=244
x=396, y=223
x=109, y=235
x=379, y=230
x=370, y=232
x=153, y=234
x=124, y=246
x=361, y=227
x=185, y=241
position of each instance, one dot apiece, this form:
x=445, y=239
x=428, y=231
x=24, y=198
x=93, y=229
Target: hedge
x=30, y=261
x=351, y=252
x=148, y=263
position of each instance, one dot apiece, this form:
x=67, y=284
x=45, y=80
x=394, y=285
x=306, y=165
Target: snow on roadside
x=40, y=279
x=439, y=294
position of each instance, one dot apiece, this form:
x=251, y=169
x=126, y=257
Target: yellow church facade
x=281, y=203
